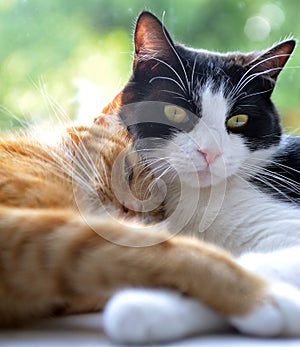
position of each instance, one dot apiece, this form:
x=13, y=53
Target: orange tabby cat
x=63, y=252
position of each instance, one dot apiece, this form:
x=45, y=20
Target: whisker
x=172, y=69
x=59, y=167
x=193, y=73
x=23, y=122
x=168, y=79
x=279, y=165
x=53, y=106
x=171, y=92
x=179, y=59
x=165, y=172
x=271, y=177
x=245, y=79
x=254, y=94
x=270, y=185
x=289, y=182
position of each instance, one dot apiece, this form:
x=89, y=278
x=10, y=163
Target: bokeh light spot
x=257, y=28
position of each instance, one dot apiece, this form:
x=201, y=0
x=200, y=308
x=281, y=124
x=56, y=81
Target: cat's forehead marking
x=213, y=104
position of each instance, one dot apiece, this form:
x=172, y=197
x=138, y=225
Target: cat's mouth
x=208, y=177
x=209, y=168
x=206, y=174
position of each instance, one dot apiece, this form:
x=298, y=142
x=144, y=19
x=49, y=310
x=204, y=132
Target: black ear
x=271, y=62
x=151, y=39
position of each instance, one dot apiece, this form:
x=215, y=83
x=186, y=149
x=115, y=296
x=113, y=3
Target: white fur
x=231, y=212
x=252, y=227
x=216, y=203
x=208, y=135
x=157, y=315
x=277, y=316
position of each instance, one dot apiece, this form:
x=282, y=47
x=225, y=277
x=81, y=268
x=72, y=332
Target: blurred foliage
x=71, y=57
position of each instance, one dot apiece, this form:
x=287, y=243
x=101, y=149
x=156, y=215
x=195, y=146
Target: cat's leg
x=49, y=258
x=157, y=315
x=153, y=315
x=140, y=315
x=279, y=313
x=143, y=316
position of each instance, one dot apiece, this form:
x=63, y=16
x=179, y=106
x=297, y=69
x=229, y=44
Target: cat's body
x=213, y=135
x=65, y=246
x=251, y=226
x=226, y=162
x=63, y=251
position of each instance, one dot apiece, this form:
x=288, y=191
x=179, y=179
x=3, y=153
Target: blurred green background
x=62, y=57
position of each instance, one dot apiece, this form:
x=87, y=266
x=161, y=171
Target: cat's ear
x=151, y=39
x=270, y=62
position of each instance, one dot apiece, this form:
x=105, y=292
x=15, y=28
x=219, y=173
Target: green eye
x=237, y=121
x=175, y=114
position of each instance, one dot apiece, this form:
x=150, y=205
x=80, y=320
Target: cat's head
x=204, y=113
x=107, y=172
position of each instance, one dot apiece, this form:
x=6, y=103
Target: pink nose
x=209, y=155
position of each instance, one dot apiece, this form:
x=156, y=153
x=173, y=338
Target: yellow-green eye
x=237, y=121
x=175, y=113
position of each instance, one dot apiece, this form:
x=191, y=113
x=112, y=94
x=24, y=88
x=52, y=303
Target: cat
x=205, y=123
x=76, y=226
x=83, y=217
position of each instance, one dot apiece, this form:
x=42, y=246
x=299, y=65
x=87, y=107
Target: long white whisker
x=271, y=177
x=193, y=73
x=50, y=107
x=254, y=94
x=269, y=184
x=241, y=84
x=160, y=176
x=168, y=79
x=60, y=167
x=173, y=70
x=171, y=92
x=24, y=123
x=179, y=59
x=279, y=165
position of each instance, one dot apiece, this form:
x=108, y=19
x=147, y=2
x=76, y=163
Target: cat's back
x=89, y=168
x=30, y=174
x=288, y=156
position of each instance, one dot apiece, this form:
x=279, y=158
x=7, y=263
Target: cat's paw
x=153, y=315
x=278, y=315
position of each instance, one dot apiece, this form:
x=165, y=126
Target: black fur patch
x=174, y=74
x=154, y=81
x=282, y=174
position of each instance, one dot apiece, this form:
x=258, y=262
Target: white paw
x=153, y=315
x=279, y=315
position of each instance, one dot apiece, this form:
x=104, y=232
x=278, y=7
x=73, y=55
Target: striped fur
x=60, y=255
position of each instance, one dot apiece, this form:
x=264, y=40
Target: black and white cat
x=207, y=126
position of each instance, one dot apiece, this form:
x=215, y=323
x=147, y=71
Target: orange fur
x=114, y=105
x=59, y=254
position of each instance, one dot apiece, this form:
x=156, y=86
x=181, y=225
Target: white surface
x=85, y=330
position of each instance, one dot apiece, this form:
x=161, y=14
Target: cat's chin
x=202, y=179
x=211, y=180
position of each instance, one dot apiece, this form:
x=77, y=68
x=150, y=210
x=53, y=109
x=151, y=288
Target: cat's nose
x=209, y=155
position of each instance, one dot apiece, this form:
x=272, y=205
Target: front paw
x=278, y=315
x=131, y=317
x=139, y=316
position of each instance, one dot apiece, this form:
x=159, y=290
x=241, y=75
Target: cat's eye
x=175, y=113
x=237, y=121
